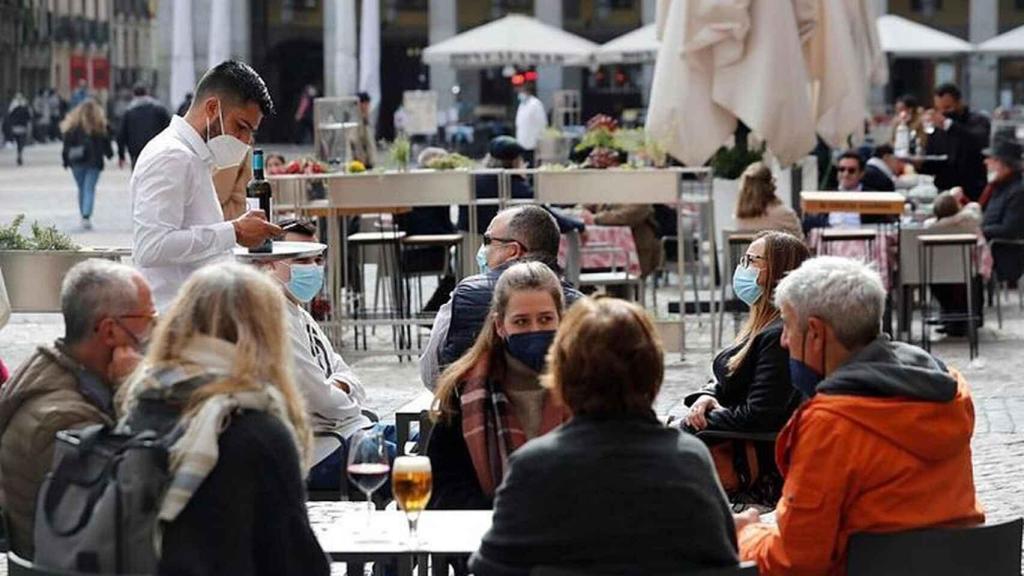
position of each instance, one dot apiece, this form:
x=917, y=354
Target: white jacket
x=531, y=121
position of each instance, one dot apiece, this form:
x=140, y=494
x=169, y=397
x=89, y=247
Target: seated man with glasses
x=516, y=234
x=108, y=317
x=850, y=175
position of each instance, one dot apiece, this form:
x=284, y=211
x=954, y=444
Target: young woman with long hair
x=218, y=372
x=759, y=208
x=490, y=401
x=86, y=143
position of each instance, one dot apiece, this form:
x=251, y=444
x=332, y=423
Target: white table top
x=281, y=250
x=341, y=529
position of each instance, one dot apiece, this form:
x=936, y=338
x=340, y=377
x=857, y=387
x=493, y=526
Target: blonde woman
x=490, y=401
x=219, y=370
x=758, y=208
x=86, y=144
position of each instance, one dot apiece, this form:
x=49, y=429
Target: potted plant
x=34, y=266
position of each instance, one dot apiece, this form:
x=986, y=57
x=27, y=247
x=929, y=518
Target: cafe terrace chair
x=984, y=550
x=17, y=566
x=743, y=569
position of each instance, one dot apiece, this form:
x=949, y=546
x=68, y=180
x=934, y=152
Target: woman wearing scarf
x=490, y=401
x=217, y=376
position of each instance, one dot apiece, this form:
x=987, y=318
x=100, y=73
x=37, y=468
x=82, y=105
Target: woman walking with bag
x=86, y=144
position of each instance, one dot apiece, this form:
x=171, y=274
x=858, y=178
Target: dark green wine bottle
x=258, y=196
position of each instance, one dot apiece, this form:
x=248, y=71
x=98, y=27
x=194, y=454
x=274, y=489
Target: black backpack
x=97, y=509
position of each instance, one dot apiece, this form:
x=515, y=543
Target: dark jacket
x=93, y=147
x=609, y=492
x=758, y=396
x=145, y=118
x=470, y=303
x=487, y=188
x=967, y=136
x=1003, y=219
x=875, y=179
x=248, y=516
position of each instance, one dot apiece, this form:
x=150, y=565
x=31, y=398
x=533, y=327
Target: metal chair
x=743, y=569
x=830, y=236
x=965, y=244
x=985, y=550
x=18, y=566
x=615, y=277
x=736, y=244
x=999, y=286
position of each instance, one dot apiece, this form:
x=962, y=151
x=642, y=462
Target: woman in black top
x=751, y=389
x=86, y=143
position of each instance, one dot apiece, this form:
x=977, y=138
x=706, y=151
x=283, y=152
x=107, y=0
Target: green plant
x=401, y=150
x=43, y=237
x=598, y=138
x=451, y=161
x=729, y=163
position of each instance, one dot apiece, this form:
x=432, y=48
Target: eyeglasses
x=747, y=259
x=151, y=316
x=488, y=240
x=849, y=169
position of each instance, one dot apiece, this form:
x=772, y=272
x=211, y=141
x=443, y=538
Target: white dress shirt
x=531, y=121
x=316, y=367
x=177, y=223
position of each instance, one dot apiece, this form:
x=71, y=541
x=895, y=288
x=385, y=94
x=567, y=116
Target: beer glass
x=368, y=465
x=411, y=483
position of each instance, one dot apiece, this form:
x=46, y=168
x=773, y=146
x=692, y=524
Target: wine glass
x=411, y=484
x=368, y=465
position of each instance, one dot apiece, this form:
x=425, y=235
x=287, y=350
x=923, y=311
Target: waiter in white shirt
x=531, y=121
x=177, y=221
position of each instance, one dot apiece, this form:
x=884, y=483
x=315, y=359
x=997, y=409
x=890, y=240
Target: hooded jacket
x=883, y=446
x=44, y=396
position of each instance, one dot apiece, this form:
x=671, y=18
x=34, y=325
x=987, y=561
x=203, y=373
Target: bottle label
x=253, y=204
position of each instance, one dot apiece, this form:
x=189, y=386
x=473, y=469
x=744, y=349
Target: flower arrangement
x=304, y=165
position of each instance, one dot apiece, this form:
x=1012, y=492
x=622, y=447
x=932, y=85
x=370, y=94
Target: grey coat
x=612, y=492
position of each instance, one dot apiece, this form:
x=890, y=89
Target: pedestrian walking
x=80, y=94
x=304, y=116
x=86, y=144
x=145, y=118
x=17, y=122
x=41, y=112
x=57, y=107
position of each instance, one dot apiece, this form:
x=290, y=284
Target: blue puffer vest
x=471, y=301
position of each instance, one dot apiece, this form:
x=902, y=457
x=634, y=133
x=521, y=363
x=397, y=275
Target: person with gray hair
x=881, y=444
x=516, y=234
x=108, y=316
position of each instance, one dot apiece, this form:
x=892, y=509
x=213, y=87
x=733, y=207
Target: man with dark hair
x=960, y=135
x=142, y=121
x=531, y=121
x=521, y=233
x=108, y=315
x=178, y=223
x=363, y=146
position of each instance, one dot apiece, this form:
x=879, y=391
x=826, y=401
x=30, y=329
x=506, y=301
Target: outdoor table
x=605, y=247
x=341, y=528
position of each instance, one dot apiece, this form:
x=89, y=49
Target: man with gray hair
x=521, y=233
x=108, y=316
x=883, y=442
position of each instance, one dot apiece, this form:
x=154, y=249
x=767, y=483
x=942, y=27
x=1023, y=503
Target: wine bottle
x=258, y=197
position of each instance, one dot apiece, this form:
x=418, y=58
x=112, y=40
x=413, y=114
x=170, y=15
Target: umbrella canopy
x=514, y=39
x=640, y=45
x=1009, y=43
x=904, y=37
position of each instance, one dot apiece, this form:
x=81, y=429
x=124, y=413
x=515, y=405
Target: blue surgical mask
x=306, y=282
x=804, y=378
x=481, y=260
x=530, y=348
x=745, y=286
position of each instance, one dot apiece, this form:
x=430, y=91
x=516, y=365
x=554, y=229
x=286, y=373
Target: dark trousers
x=953, y=300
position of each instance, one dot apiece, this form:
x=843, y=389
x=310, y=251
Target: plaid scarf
x=195, y=453
x=490, y=426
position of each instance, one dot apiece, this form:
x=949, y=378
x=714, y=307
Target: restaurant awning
x=640, y=45
x=1008, y=43
x=902, y=37
x=512, y=40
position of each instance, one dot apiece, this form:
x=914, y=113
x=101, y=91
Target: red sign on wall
x=100, y=74
x=77, y=67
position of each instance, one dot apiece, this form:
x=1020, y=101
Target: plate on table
x=282, y=251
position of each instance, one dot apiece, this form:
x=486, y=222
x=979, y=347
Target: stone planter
x=33, y=277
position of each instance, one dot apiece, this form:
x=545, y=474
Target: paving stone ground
x=46, y=193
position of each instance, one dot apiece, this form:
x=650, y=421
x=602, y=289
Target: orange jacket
x=863, y=463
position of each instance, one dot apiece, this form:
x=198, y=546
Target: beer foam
x=411, y=464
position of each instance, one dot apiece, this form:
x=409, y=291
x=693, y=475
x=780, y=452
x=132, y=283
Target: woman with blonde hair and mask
x=86, y=144
x=218, y=376
x=490, y=401
x=758, y=208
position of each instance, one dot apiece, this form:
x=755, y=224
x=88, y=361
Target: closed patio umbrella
x=907, y=38
x=512, y=40
x=637, y=46
x=1008, y=43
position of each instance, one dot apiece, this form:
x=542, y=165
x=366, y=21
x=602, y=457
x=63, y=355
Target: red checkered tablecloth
x=605, y=247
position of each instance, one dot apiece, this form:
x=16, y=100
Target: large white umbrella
x=515, y=40
x=903, y=37
x=1008, y=43
x=640, y=45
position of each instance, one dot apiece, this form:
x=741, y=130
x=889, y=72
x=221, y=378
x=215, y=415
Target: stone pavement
x=45, y=192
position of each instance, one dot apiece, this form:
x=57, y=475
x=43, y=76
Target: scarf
x=195, y=452
x=490, y=426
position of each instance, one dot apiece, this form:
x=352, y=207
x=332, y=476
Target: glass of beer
x=411, y=483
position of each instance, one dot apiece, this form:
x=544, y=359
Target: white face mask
x=227, y=150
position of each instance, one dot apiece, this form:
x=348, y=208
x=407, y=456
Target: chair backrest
x=947, y=263
x=986, y=550
x=734, y=246
x=18, y=566
x=743, y=569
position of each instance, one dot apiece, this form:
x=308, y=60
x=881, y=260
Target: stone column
x=877, y=96
x=649, y=13
x=241, y=25
x=982, y=69
x=220, y=33
x=340, y=62
x=549, y=78
x=443, y=24
x=183, y=71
